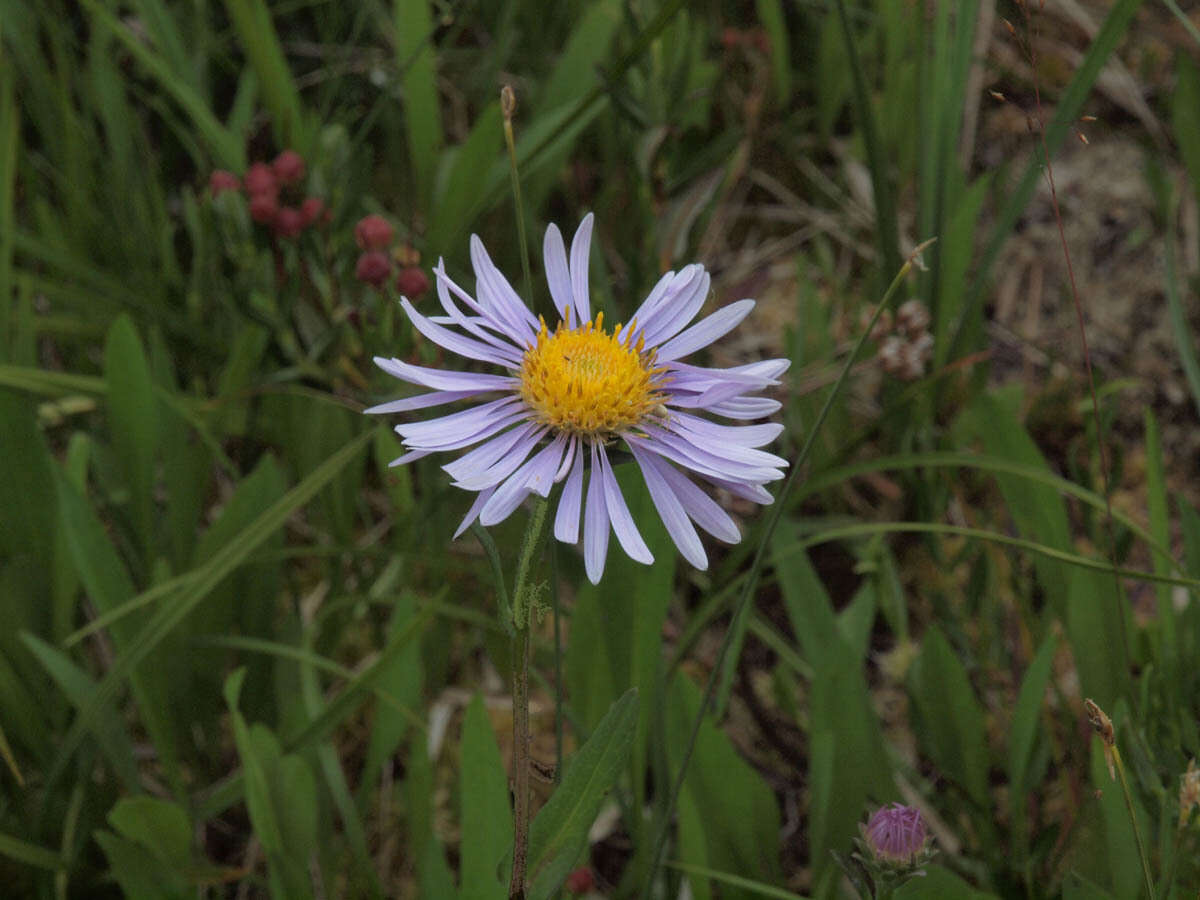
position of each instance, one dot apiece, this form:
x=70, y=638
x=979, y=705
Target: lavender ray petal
x=702, y=460
x=683, y=309
x=746, y=408
x=670, y=510
x=581, y=244
x=541, y=472
x=467, y=438
x=568, y=459
x=770, y=369
x=566, y=520
x=711, y=396
x=485, y=316
x=646, y=311
x=409, y=457
x=529, y=477
x=491, y=284
x=730, y=452
x=487, y=455
x=595, y=524
x=420, y=401
x=705, y=331
x=456, y=423
x=480, y=478
x=618, y=512
x=445, y=380
x=473, y=512
x=741, y=435
x=456, y=343
x=558, y=276
x=755, y=493
x=703, y=509
x=475, y=324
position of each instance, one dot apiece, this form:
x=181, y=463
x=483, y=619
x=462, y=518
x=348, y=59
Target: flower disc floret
x=588, y=381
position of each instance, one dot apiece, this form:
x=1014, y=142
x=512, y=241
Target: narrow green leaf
x=886, y=230
x=79, y=690
x=459, y=195
x=336, y=711
x=415, y=53
x=10, y=132
x=737, y=812
x=847, y=763
x=258, y=787
x=176, y=608
x=257, y=35
x=158, y=825
x=133, y=423
x=226, y=147
x=487, y=832
x=139, y=873
x=1027, y=713
x=559, y=832
x=1156, y=501
x=951, y=719
x=770, y=14
x=30, y=854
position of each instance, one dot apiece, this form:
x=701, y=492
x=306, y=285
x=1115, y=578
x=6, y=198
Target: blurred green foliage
x=235, y=639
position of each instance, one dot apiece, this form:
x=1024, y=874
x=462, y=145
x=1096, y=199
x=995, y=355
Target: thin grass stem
x=1137, y=829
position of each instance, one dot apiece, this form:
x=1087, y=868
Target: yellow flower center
x=587, y=381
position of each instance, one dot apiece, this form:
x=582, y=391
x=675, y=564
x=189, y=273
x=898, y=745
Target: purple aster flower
x=896, y=834
x=571, y=395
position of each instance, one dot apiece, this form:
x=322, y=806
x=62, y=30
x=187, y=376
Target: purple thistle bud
x=896, y=833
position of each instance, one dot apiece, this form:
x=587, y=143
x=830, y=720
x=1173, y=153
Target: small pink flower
x=311, y=210
x=260, y=179
x=412, y=282
x=373, y=232
x=289, y=222
x=288, y=167
x=221, y=181
x=373, y=267
x=896, y=833
x=263, y=207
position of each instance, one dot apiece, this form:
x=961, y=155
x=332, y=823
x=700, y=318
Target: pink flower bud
x=289, y=167
x=221, y=181
x=412, y=282
x=289, y=222
x=373, y=232
x=311, y=209
x=260, y=180
x=896, y=833
x=263, y=207
x=373, y=268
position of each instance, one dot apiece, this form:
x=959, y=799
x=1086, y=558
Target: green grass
x=241, y=655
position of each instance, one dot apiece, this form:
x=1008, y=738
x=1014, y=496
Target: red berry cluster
x=374, y=235
x=266, y=184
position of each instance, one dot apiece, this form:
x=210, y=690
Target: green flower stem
x=664, y=824
x=523, y=604
x=1137, y=830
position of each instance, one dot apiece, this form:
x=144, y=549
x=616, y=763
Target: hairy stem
x=522, y=611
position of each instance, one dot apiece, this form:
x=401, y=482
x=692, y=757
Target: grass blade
x=174, y=610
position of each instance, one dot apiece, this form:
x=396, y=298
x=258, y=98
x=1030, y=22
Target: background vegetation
x=241, y=657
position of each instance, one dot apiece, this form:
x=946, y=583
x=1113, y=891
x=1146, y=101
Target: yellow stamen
x=586, y=380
